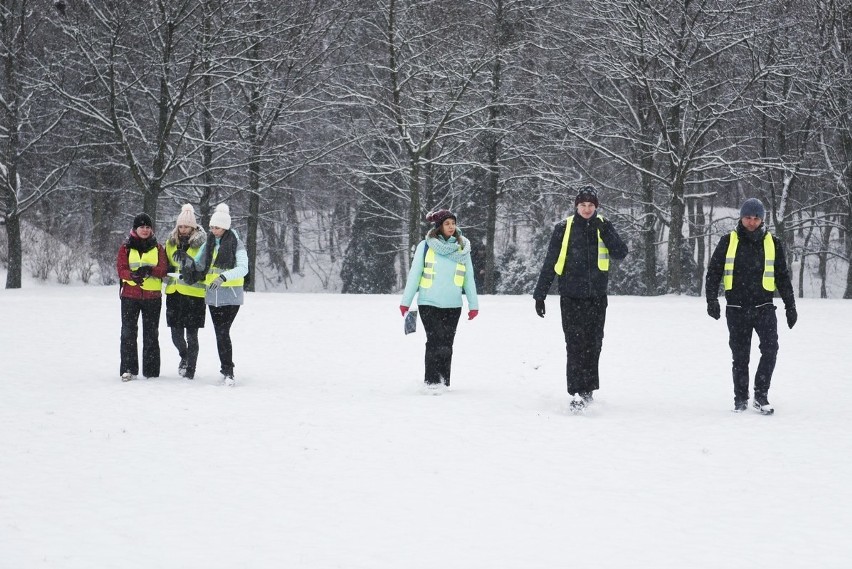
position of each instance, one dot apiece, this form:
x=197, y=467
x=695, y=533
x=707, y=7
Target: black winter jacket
x=581, y=277
x=748, y=288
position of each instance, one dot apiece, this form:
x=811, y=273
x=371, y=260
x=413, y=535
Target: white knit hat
x=187, y=216
x=221, y=217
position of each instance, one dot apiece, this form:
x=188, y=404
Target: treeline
x=348, y=120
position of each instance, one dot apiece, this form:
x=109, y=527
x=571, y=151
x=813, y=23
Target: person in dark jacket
x=141, y=265
x=579, y=254
x=185, y=307
x=751, y=264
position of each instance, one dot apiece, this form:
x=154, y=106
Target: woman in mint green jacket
x=441, y=271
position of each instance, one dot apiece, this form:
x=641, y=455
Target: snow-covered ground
x=326, y=455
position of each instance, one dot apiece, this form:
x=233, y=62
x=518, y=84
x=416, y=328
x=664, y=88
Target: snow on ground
x=326, y=454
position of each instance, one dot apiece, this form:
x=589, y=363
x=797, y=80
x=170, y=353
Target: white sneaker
x=434, y=388
x=127, y=376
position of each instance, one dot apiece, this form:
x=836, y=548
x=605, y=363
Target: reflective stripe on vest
x=429, y=271
x=147, y=259
x=603, y=252
x=768, y=262
x=215, y=271
x=177, y=284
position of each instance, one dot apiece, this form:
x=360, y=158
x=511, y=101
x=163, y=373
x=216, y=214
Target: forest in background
x=331, y=127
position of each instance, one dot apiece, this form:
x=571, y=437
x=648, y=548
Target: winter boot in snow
x=127, y=376
x=761, y=403
x=578, y=404
x=189, y=374
x=588, y=399
x=182, y=367
x=228, y=377
x=740, y=405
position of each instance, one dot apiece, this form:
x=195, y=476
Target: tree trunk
x=13, y=235
x=674, y=282
x=251, y=236
x=414, y=225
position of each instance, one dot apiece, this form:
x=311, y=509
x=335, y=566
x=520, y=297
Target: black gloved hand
x=596, y=223
x=144, y=272
x=713, y=309
x=539, y=308
x=183, y=260
x=792, y=316
x=216, y=283
x=189, y=275
x=137, y=278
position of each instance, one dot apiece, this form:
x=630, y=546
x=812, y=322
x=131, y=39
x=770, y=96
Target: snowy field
x=327, y=455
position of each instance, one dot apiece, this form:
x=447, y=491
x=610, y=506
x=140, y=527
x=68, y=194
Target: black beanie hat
x=142, y=219
x=586, y=194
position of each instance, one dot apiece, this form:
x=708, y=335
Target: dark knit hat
x=440, y=216
x=586, y=194
x=753, y=208
x=142, y=219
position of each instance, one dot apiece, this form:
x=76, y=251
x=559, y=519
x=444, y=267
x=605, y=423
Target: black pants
x=223, y=317
x=186, y=342
x=741, y=323
x=583, y=324
x=150, y=310
x=440, y=325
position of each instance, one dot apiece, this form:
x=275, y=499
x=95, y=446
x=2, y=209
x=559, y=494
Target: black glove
x=144, y=272
x=539, y=308
x=792, y=316
x=189, y=275
x=596, y=223
x=183, y=260
x=713, y=309
x=137, y=278
x=216, y=283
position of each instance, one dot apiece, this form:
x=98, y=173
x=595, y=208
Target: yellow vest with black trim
x=176, y=284
x=149, y=258
x=603, y=252
x=214, y=272
x=768, y=262
x=428, y=275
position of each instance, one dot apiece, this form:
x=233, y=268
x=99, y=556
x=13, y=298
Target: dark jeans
x=583, y=324
x=223, y=317
x=741, y=323
x=440, y=325
x=150, y=310
x=186, y=342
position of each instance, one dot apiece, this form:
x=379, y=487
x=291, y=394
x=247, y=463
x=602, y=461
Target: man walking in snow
x=579, y=252
x=752, y=266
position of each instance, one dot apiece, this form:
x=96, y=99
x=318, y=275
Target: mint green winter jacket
x=443, y=293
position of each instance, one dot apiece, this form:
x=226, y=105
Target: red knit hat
x=440, y=216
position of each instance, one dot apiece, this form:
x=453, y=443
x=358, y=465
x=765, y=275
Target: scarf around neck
x=457, y=248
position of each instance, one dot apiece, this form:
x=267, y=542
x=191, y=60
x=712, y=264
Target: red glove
x=403, y=309
x=472, y=314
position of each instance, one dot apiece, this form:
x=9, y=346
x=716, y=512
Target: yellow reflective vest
x=429, y=270
x=768, y=262
x=147, y=259
x=176, y=284
x=214, y=272
x=603, y=252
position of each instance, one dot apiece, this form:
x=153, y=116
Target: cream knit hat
x=221, y=217
x=187, y=216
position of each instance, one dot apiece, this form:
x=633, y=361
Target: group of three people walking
x=206, y=269
x=749, y=262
